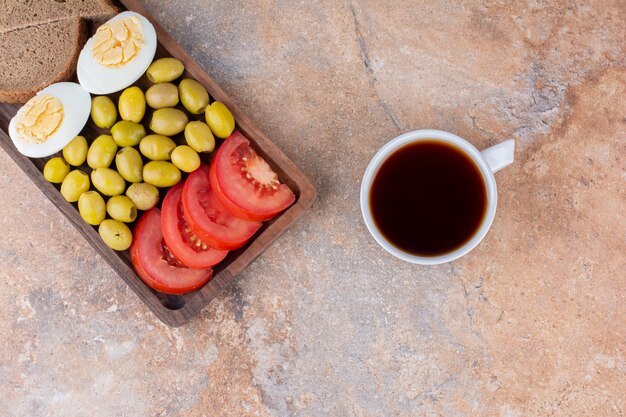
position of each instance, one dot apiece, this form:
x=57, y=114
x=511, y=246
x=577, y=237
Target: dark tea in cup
x=428, y=198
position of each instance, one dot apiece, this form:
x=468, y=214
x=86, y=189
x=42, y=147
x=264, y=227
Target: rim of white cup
x=438, y=136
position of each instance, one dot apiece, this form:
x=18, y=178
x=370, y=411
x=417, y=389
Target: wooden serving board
x=176, y=310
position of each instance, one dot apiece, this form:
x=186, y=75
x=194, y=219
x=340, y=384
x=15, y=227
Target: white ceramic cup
x=488, y=161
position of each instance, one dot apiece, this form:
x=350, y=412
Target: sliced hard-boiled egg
x=50, y=120
x=118, y=54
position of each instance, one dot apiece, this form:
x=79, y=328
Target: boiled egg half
x=50, y=120
x=118, y=54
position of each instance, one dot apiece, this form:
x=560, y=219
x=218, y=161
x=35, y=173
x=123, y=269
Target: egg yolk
x=40, y=118
x=116, y=44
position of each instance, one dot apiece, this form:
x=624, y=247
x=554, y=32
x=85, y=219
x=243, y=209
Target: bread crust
x=16, y=15
x=66, y=73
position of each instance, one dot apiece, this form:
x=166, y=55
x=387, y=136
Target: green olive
x=164, y=70
x=145, y=196
x=132, y=104
x=162, y=95
x=129, y=164
x=199, y=136
x=193, y=95
x=91, y=207
x=108, y=181
x=220, y=120
x=101, y=152
x=157, y=147
x=185, y=158
x=103, y=112
x=56, y=169
x=122, y=208
x=168, y=121
x=115, y=234
x=74, y=184
x=75, y=152
x=161, y=174
x=127, y=133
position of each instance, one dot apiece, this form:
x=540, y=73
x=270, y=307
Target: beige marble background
x=531, y=323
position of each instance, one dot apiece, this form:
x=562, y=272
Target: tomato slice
x=224, y=201
x=247, y=181
x=155, y=264
x=179, y=238
x=207, y=218
x=134, y=258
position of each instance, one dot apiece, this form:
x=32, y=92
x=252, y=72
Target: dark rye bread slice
x=37, y=56
x=18, y=14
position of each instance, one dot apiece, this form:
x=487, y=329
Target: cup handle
x=500, y=155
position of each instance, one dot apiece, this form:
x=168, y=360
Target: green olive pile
x=146, y=161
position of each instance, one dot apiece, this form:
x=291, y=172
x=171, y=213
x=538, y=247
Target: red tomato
x=179, y=238
x=219, y=195
x=207, y=218
x=245, y=183
x=154, y=263
x=134, y=257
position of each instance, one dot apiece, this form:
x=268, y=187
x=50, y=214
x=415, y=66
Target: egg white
x=98, y=79
x=76, y=103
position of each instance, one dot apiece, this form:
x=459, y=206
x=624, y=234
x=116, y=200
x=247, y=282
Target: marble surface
x=325, y=323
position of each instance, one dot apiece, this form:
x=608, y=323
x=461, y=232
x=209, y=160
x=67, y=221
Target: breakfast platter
x=194, y=190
